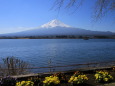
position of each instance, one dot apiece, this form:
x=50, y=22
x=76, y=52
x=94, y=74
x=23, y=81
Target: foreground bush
x=7, y=81
x=62, y=77
x=13, y=66
x=103, y=76
x=25, y=83
x=78, y=78
x=35, y=80
x=51, y=81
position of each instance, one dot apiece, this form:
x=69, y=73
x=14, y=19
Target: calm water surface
x=38, y=52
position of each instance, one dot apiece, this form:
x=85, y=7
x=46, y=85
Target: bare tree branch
x=71, y=3
x=13, y=66
x=58, y=4
x=102, y=7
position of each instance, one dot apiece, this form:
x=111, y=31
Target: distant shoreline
x=59, y=37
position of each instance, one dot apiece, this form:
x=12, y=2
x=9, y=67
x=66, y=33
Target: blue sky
x=18, y=15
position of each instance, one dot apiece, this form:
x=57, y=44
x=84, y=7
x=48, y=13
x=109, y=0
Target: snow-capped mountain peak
x=54, y=23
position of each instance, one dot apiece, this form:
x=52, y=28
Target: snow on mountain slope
x=54, y=23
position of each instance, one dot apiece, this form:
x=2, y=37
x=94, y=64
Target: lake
x=39, y=52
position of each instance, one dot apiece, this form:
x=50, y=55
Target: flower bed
x=63, y=79
x=78, y=78
x=103, y=76
x=25, y=83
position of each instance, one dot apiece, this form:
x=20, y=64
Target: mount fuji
x=58, y=28
x=54, y=23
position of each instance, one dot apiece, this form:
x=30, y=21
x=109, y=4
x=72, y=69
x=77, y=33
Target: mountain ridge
x=56, y=27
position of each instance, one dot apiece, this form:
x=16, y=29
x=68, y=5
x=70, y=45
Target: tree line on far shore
x=60, y=37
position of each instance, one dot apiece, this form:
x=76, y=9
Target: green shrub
x=103, y=76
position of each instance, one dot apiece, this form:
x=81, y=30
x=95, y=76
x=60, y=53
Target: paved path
x=111, y=84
